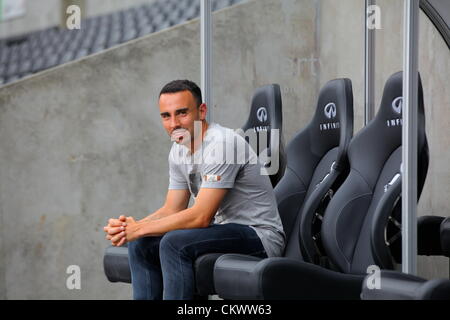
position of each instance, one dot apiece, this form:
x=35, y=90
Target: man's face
x=178, y=113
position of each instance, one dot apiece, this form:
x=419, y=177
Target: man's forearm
x=185, y=219
x=199, y=215
x=158, y=214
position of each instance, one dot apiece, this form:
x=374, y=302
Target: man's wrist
x=152, y=216
x=145, y=219
x=140, y=229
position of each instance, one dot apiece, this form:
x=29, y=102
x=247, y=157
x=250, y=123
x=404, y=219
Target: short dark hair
x=183, y=85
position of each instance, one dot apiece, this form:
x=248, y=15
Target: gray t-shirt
x=225, y=160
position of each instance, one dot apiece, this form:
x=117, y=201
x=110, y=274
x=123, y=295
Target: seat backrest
x=375, y=156
x=310, y=155
x=265, y=116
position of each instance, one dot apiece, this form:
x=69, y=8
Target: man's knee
x=137, y=246
x=173, y=241
x=134, y=247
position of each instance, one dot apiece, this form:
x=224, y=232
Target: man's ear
x=203, y=110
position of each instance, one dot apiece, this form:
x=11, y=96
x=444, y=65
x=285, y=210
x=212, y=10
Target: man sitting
x=235, y=209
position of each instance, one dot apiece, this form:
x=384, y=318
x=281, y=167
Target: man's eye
x=183, y=113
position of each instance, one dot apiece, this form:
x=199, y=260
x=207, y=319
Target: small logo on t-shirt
x=211, y=178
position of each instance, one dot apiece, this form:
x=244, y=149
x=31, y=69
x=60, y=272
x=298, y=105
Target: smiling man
x=234, y=210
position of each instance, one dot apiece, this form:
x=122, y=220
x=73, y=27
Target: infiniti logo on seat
x=397, y=104
x=330, y=110
x=261, y=114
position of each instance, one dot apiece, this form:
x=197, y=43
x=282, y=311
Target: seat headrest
x=331, y=105
x=392, y=101
x=265, y=111
x=391, y=107
x=331, y=126
x=383, y=134
x=333, y=111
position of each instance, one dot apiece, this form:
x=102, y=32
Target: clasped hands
x=122, y=230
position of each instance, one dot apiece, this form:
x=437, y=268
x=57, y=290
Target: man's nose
x=174, y=123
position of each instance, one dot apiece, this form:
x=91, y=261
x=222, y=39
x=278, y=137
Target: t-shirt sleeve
x=221, y=176
x=219, y=169
x=176, y=179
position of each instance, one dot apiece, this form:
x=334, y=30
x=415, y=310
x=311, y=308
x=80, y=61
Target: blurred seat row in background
x=23, y=55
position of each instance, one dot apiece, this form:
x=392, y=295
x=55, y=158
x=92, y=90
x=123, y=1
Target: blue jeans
x=163, y=267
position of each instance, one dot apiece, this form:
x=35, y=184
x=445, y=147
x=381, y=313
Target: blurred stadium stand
x=23, y=55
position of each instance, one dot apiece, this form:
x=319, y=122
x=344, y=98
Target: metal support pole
x=369, y=67
x=409, y=142
x=206, y=55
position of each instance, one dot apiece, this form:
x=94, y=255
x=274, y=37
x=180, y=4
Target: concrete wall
x=42, y=14
x=278, y=49
x=83, y=142
x=341, y=52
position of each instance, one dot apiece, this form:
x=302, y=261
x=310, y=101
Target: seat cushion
x=246, y=277
x=117, y=269
x=428, y=235
x=235, y=277
x=204, y=271
x=400, y=286
x=445, y=237
x=116, y=265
